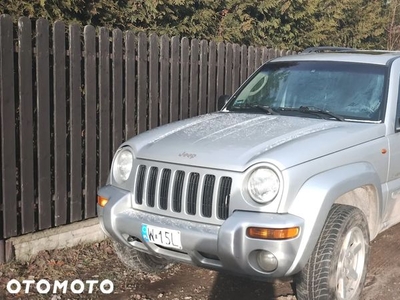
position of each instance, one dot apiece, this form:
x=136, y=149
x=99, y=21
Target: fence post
x=203, y=63
x=142, y=83
x=130, y=86
x=236, y=67
x=164, y=100
x=174, y=90
x=212, y=77
x=90, y=121
x=75, y=107
x=153, y=81
x=194, y=77
x=117, y=88
x=7, y=129
x=26, y=125
x=243, y=64
x=60, y=125
x=2, y=252
x=228, y=69
x=104, y=105
x=43, y=122
x=184, y=101
x=220, y=69
x=6, y=251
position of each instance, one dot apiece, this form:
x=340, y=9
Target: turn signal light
x=102, y=201
x=273, y=233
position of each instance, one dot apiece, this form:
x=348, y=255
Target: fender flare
x=316, y=197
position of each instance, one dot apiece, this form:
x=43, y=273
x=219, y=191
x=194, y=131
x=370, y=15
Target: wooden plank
x=75, y=106
x=2, y=252
x=142, y=83
x=258, y=60
x=250, y=60
x=194, y=78
x=60, y=122
x=212, y=75
x=26, y=125
x=265, y=55
x=228, y=69
x=130, y=85
x=153, y=81
x=174, y=83
x=104, y=105
x=184, y=100
x=164, y=80
x=90, y=121
x=272, y=53
x=243, y=64
x=43, y=123
x=9, y=251
x=203, y=77
x=117, y=85
x=236, y=67
x=7, y=127
x=220, y=69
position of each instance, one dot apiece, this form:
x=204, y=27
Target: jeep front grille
x=166, y=189
x=208, y=190
x=178, y=191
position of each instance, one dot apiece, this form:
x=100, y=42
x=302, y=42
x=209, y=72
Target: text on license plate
x=162, y=236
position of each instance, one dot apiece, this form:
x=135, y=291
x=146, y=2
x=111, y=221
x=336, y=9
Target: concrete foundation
x=27, y=246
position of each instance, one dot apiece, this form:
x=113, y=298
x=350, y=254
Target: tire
x=337, y=267
x=140, y=261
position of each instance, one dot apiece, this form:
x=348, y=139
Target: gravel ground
x=99, y=262
x=181, y=282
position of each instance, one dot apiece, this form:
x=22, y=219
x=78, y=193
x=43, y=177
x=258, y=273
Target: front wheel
x=337, y=267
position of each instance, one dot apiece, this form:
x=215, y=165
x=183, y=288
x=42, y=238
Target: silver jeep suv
x=293, y=177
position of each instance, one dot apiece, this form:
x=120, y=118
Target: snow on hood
x=234, y=141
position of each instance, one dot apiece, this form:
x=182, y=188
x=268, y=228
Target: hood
x=234, y=141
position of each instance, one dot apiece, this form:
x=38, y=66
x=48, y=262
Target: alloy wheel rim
x=351, y=261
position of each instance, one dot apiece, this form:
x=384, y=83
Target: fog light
x=102, y=201
x=267, y=261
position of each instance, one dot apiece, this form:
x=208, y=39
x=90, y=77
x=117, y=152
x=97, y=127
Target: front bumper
x=220, y=247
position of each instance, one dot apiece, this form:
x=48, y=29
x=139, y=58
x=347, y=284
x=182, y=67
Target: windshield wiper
x=264, y=108
x=315, y=111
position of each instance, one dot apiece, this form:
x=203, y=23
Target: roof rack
x=327, y=49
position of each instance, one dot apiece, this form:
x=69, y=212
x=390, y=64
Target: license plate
x=162, y=236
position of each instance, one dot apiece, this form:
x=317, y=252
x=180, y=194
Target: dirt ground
x=182, y=282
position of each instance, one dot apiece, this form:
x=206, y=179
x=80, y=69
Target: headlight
x=123, y=165
x=263, y=185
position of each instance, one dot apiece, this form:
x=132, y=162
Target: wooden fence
x=70, y=97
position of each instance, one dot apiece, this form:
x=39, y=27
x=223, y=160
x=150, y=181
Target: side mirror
x=222, y=100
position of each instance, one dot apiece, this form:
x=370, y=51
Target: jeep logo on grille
x=188, y=155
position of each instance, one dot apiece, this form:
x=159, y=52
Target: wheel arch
x=355, y=184
x=366, y=199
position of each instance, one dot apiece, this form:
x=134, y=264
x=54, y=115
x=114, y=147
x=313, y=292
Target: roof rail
x=327, y=49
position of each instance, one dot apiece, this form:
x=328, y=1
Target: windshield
x=348, y=91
